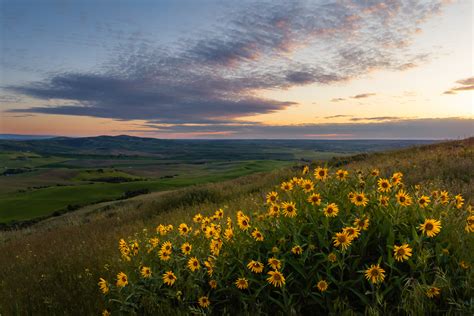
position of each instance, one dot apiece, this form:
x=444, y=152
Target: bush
x=326, y=242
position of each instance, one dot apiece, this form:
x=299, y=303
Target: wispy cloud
x=466, y=85
x=215, y=77
x=362, y=95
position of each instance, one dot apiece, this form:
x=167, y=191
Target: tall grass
x=52, y=269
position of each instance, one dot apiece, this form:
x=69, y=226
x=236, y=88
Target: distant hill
x=23, y=137
x=177, y=149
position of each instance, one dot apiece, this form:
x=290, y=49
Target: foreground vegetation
x=54, y=271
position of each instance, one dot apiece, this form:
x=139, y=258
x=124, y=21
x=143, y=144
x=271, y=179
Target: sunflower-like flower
x=193, y=264
x=352, y=232
x=362, y=223
x=257, y=235
x=242, y=283
x=307, y=185
x=342, y=240
x=375, y=274
x=470, y=224
x=322, y=285
x=359, y=199
x=297, y=250
x=145, y=272
x=215, y=246
x=167, y=247
x=209, y=266
x=197, y=218
x=124, y=249
x=433, y=292
x=332, y=257
x=255, y=266
x=402, y=253
x=375, y=172
x=383, y=200
x=384, y=185
x=331, y=210
x=105, y=313
x=274, y=263
x=403, y=198
x=305, y=170
x=397, y=178
x=219, y=213
x=444, y=197
x=122, y=279
x=286, y=186
x=459, y=201
x=276, y=278
x=212, y=284
x=186, y=248
x=341, y=174
x=321, y=173
x=228, y=233
x=164, y=255
x=103, y=285
x=272, y=197
x=204, y=301
x=184, y=229
x=423, y=201
x=243, y=221
x=289, y=209
x=430, y=227
x=274, y=210
x=314, y=199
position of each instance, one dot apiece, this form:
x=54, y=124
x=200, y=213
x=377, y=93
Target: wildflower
x=362, y=224
x=243, y=221
x=276, y=278
x=433, y=292
x=274, y=210
x=341, y=174
x=287, y=186
x=307, y=185
x=383, y=200
x=274, y=263
x=186, y=248
x=343, y=240
x=197, y=218
x=105, y=313
x=272, y=197
x=145, y=272
x=135, y=248
x=314, y=199
x=403, y=198
x=183, y=229
x=322, y=285
x=124, y=249
x=193, y=264
x=444, y=197
x=103, y=285
x=255, y=266
x=305, y=170
x=167, y=247
x=161, y=229
x=257, y=235
x=384, y=185
x=289, y=209
x=219, y=213
x=297, y=250
x=332, y=257
x=275, y=249
x=122, y=279
x=296, y=181
x=470, y=224
x=164, y=255
x=464, y=265
x=459, y=201
x=375, y=172
x=359, y=199
x=215, y=246
x=154, y=242
x=213, y=284
x=331, y=210
x=352, y=232
x=209, y=267
x=375, y=274
x=242, y=283
x=321, y=173
x=397, y=178
x=169, y=278
x=423, y=201
x=430, y=227
x=204, y=301
x=228, y=234
x=402, y=253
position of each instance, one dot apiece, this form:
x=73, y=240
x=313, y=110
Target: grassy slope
x=55, y=271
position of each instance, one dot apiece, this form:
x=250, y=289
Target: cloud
x=422, y=128
x=337, y=116
x=378, y=118
x=467, y=85
x=216, y=77
x=337, y=99
x=362, y=95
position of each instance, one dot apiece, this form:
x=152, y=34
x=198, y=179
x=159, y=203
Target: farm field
x=80, y=250
x=43, y=178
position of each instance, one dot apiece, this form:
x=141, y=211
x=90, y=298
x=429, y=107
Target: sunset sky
x=237, y=69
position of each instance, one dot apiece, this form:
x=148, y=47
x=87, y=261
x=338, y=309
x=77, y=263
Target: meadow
x=54, y=267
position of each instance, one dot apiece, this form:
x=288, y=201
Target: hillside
x=53, y=267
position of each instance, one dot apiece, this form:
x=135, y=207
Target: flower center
x=429, y=226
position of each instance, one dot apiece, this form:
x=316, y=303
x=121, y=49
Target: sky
x=347, y=69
